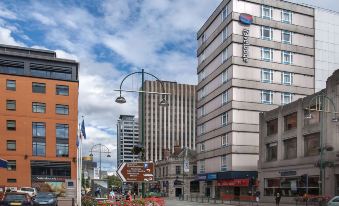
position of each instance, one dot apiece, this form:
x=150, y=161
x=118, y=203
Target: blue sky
x=111, y=38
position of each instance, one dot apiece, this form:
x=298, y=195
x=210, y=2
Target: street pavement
x=176, y=202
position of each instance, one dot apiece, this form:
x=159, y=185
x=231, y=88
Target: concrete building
x=170, y=176
x=127, y=138
x=167, y=126
x=38, y=118
x=290, y=144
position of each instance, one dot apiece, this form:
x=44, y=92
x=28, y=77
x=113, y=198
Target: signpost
x=136, y=171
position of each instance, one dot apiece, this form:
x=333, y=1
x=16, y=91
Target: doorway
x=178, y=192
x=236, y=193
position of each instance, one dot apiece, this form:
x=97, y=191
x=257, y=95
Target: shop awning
x=3, y=163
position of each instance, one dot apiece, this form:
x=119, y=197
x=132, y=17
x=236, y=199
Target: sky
x=110, y=39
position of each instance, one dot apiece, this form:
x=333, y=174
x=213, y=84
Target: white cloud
x=6, y=37
x=43, y=19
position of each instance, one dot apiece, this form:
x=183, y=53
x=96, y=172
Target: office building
x=38, y=118
x=167, y=126
x=127, y=138
x=290, y=144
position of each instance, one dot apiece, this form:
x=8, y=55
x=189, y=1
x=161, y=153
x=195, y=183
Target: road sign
x=136, y=171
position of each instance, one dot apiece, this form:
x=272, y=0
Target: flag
x=3, y=163
x=83, y=131
x=77, y=141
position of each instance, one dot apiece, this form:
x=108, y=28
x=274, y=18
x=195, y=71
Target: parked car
x=46, y=199
x=29, y=190
x=334, y=201
x=16, y=198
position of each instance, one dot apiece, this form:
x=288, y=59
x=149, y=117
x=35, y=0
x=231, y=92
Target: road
x=175, y=202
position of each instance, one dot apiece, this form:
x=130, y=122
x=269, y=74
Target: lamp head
x=335, y=119
x=120, y=100
x=308, y=115
x=108, y=155
x=91, y=155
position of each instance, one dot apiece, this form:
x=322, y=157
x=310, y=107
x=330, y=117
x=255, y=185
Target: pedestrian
x=277, y=198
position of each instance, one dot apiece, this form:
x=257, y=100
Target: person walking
x=277, y=198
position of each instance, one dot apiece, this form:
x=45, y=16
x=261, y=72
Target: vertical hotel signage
x=246, y=20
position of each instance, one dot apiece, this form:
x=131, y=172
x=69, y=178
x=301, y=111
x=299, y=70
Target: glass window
x=11, y=145
x=202, y=147
x=38, y=107
x=201, y=111
x=201, y=75
x=202, y=166
x=61, y=109
x=291, y=121
x=286, y=37
x=271, y=151
x=62, y=150
x=272, y=127
x=286, y=78
x=223, y=164
x=62, y=131
x=224, y=118
x=286, y=16
x=11, y=105
x=38, y=129
x=224, y=34
x=39, y=149
x=312, y=144
x=38, y=87
x=266, y=12
x=290, y=147
x=286, y=57
x=11, y=165
x=224, y=97
x=195, y=169
x=11, y=180
x=315, y=116
x=267, y=75
x=177, y=170
x=224, y=13
x=201, y=58
x=267, y=54
x=224, y=76
x=286, y=98
x=62, y=90
x=224, y=55
x=11, y=85
x=201, y=128
x=201, y=93
x=11, y=125
x=266, y=33
x=224, y=140
x=266, y=97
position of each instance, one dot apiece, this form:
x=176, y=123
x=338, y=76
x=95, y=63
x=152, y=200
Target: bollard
x=196, y=198
x=73, y=202
x=222, y=201
x=208, y=199
x=215, y=200
x=202, y=199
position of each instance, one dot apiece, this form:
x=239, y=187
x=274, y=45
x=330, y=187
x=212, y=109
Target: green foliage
x=114, y=181
x=88, y=201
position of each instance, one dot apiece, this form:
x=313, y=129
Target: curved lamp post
x=101, y=149
x=163, y=102
x=323, y=104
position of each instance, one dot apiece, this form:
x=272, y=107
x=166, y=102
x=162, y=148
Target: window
x=286, y=57
x=11, y=180
x=224, y=55
x=266, y=97
x=271, y=151
x=224, y=34
x=286, y=78
x=266, y=33
x=62, y=131
x=266, y=12
x=201, y=93
x=195, y=170
x=62, y=150
x=11, y=85
x=38, y=87
x=201, y=128
x=315, y=116
x=61, y=109
x=202, y=39
x=201, y=58
x=201, y=75
x=202, y=166
x=201, y=111
x=286, y=16
x=224, y=118
x=202, y=147
x=11, y=125
x=312, y=144
x=291, y=121
x=286, y=37
x=267, y=54
x=267, y=75
x=38, y=129
x=224, y=97
x=286, y=98
x=224, y=140
x=177, y=170
x=290, y=147
x=224, y=76
x=11, y=105
x=272, y=127
x=224, y=13
x=11, y=165
x=38, y=107
x=11, y=145
x=223, y=164
x=62, y=90
x=39, y=149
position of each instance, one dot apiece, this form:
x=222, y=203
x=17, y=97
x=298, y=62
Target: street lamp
x=322, y=104
x=163, y=102
x=101, y=149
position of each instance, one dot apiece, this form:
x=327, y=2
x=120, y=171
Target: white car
x=334, y=201
x=29, y=190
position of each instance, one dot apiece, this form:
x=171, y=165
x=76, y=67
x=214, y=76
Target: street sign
x=186, y=166
x=96, y=173
x=136, y=171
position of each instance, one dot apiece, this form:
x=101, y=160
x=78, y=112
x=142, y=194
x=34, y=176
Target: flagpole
x=78, y=170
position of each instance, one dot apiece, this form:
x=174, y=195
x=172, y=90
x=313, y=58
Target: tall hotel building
x=38, y=118
x=127, y=138
x=168, y=126
x=254, y=55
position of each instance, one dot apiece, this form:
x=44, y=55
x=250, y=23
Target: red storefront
x=235, y=189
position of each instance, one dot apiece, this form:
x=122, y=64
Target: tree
x=114, y=181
